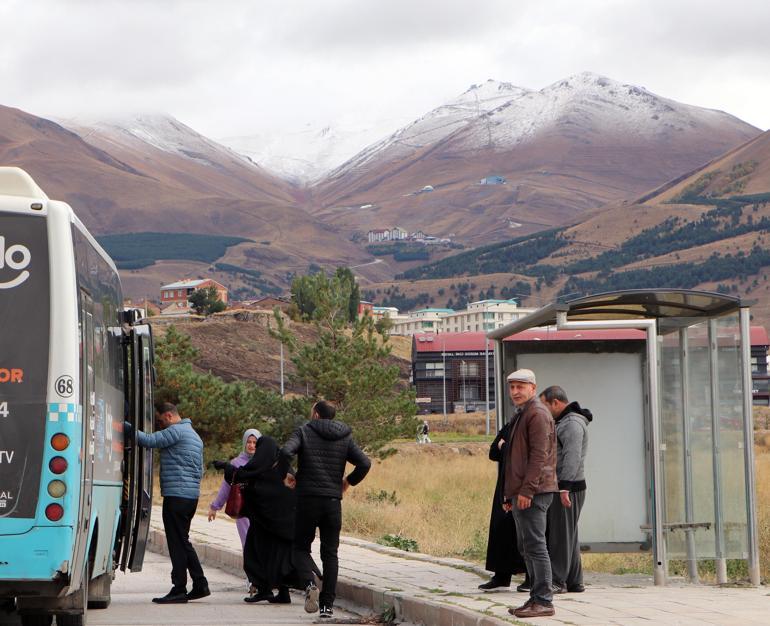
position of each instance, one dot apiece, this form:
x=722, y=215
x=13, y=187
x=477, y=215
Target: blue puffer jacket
x=181, y=459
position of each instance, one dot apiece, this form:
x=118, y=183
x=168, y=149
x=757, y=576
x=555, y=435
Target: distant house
x=493, y=180
x=426, y=189
x=365, y=308
x=397, y=233
x=418, y=235
x=179, y=293
x=380, y=234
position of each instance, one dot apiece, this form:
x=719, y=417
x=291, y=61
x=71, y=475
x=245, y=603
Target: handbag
x=235, y=505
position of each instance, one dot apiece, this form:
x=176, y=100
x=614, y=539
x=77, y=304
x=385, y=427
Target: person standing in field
x=323, y=447
x=571, y=447
x=529, y=482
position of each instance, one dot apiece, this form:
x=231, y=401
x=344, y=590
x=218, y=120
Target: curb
x=378, y=600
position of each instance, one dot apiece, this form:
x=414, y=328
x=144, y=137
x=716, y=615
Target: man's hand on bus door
x=212, y=514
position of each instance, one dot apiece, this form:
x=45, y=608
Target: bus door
x=88, y=402
x=146, y=375
x=138, y=477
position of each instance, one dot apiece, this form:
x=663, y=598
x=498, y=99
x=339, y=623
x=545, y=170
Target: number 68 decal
x=64, y=386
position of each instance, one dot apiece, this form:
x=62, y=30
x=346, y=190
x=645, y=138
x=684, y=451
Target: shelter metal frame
x=658, y=311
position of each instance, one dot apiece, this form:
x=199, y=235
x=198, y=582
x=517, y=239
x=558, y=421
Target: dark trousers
x=563, y=544
x=530, y=534
x=177, y=515
x=325, y=514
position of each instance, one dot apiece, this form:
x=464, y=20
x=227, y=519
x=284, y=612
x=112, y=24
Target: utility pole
x=443, y=371
x=282, y=390
x=486, y=376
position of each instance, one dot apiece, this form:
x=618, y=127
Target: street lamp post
x=463, y=367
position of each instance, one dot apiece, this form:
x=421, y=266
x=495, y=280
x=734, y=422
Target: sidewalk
x=433, y=591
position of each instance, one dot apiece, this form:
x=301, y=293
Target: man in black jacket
x=323, y=447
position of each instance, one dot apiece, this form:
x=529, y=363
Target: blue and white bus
x=75, y=497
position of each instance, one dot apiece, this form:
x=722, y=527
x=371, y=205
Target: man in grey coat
x=563, y=515
x=181, y=470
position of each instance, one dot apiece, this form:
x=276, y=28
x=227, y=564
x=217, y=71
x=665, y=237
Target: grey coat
x=181, y=459
x=572, y=445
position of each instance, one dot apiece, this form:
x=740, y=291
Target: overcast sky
x=238, y=67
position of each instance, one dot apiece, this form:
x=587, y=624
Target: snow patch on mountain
x=160, y=131
x=306, y=155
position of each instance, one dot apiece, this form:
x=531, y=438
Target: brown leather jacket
x=530, y=468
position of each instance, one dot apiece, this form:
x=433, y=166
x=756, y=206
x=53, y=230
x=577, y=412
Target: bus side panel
x=104, y=515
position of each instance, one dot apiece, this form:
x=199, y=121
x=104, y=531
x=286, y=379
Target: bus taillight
x=54, y=512
x=59, y=442
x=56, y=489
x=58, y=465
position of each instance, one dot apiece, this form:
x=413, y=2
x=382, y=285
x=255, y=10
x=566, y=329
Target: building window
x=469, y=368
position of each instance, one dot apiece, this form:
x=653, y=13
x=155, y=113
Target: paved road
x=132, y=595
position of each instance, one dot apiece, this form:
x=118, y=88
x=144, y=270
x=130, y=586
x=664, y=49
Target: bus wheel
x=99, y=591
x=80, y=600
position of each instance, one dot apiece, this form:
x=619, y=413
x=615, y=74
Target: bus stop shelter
x=670, y=465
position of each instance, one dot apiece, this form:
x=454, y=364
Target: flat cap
x=522, y=376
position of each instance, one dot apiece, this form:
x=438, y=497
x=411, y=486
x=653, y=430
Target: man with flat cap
x=528, y=488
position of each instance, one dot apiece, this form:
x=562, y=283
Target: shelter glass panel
x=672, y=443
x=731, y=447
x=701, y=442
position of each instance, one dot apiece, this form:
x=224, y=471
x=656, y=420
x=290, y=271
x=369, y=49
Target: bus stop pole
x=650, y=326
x=716, y=450
x=748, y=448
x=689, y=507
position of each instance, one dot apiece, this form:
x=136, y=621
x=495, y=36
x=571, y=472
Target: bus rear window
x=24, y=327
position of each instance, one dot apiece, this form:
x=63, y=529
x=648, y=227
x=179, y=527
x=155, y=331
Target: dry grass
x=442, y=499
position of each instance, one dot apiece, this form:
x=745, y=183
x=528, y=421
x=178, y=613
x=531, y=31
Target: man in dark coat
x=323, y=447
x=503, y=556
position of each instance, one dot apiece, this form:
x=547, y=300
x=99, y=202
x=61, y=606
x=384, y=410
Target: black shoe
x=495, y=583
x=524, y=587
x=260, y=596
x=327, y=612
x=311, y=598
x=200, y=592
x=172, y=597
x=558, y=589
x=282, y=597
x=579, y=588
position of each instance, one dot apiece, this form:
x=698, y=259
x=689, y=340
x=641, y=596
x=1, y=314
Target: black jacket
x=323, y=447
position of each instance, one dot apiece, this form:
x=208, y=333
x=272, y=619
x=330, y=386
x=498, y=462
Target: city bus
x=75, y=494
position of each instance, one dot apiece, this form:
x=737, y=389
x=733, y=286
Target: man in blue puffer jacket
x=181, y=470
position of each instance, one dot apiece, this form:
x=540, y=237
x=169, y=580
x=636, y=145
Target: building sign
x=422, y=400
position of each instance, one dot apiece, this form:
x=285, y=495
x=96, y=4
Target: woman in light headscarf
x=250, y=438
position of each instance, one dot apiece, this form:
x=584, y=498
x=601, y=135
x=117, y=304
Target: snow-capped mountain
x=305, y=155
x=476, y=102
x=157, y=130
x=569, y=147
x=500, y=116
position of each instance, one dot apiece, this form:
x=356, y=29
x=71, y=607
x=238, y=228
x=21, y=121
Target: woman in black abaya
x=270, y=506
x=503, y=557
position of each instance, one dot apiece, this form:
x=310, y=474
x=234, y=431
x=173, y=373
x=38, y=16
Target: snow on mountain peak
x=159, y=130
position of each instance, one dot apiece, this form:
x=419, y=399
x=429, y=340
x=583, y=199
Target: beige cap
x=523, y=376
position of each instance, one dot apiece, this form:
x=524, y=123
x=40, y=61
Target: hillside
x=710, y=230
x=242, y=349
x=563, y=150
x=153, y=174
